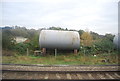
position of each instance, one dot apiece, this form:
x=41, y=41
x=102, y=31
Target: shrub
x=104, y=45
x=21, y=47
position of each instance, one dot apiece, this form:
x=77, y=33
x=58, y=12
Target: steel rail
x=57, y=71
x=41, y=65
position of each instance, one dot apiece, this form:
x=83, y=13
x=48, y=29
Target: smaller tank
x=116, y=40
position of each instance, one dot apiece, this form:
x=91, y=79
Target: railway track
x=38, y=72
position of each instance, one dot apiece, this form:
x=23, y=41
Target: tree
x=7, y=39
x=81, y=32
x=35, y=42
x=95, y=36
x=86, y=39
x=109, y=37
x=56, y=28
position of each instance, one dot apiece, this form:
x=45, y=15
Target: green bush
x=21, y=47
x=101, y=46
x=104, y=45
x=86, y=50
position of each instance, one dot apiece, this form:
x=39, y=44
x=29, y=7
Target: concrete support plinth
x=75, y=51
x=44, y=51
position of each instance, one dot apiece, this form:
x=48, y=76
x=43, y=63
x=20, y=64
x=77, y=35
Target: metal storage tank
x=116, y=40
x=57, y=39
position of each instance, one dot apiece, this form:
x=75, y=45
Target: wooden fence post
x=27, y=52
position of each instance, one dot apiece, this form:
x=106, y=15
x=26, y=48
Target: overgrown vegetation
x=94, y=48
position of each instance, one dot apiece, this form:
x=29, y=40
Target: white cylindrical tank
x=57, y=39
x=116, y=40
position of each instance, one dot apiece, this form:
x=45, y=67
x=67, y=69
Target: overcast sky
x=100, y=16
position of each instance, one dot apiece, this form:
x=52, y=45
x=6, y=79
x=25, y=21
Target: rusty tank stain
x=56, y=39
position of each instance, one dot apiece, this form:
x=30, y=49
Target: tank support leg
x=75, y=51
x=44, y=51
x=55, y=53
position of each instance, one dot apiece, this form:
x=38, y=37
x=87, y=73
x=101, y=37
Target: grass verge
x=68, y=59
